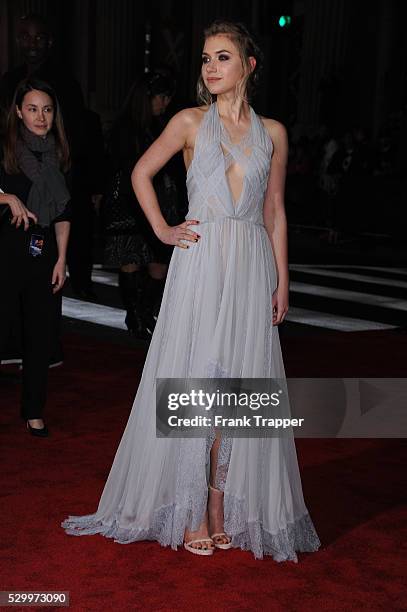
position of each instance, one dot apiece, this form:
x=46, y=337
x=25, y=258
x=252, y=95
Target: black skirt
x=129, y=237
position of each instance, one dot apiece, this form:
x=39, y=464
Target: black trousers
x=25, y=283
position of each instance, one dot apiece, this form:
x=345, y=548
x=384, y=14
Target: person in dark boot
x=132, y=295
x=131, y=244
x=155, y=292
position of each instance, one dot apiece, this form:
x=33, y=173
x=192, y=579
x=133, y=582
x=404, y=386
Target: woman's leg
x=157, y=270
x=219, y=463
x=131, y=267
x=38, y=313
x=201, y=533
x=9, y=304
x=220, y=455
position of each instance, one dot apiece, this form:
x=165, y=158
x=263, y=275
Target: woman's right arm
x=174, y=138
x=20, y=214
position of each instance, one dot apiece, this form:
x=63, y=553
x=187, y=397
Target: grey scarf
x=48, y=194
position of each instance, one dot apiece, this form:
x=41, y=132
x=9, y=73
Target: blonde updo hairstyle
x=247, y=46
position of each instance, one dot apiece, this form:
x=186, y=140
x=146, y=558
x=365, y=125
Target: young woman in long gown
x=225, y=294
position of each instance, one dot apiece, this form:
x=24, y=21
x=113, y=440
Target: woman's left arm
x=275, y=219
x=59, y=273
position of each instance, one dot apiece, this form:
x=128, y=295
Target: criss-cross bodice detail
x=227, y=178
x=236, y=157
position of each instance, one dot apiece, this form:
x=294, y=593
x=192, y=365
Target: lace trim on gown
x=169, y=523
x=215, y=370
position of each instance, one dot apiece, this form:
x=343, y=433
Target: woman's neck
x=231, y=108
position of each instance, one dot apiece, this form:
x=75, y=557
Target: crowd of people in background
x=336, y=182
x=101, y=164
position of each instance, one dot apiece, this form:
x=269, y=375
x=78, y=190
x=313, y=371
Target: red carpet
x=355, y=491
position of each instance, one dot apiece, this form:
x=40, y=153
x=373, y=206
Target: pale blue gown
x=215, y=321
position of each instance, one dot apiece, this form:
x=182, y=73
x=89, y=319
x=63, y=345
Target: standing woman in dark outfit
x=131, y=245
x=34, y=233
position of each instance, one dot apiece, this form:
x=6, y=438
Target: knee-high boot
x=152, y=299
x=132, y=285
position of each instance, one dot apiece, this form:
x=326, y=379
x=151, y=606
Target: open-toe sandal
x=199, y=551
x=222, y=545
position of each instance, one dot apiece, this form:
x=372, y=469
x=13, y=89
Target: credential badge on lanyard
x=36, y=245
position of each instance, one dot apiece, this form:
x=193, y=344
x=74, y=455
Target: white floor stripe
x=351, y=276
x=103, y=277
x=114, y=317
x=333, y=266
x=93, y=313
x=350, y=296
x=331, y=321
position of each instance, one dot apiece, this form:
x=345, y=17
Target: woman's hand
x=58, y=275
x=174, y=234
x=280, y=304
x=20, y=213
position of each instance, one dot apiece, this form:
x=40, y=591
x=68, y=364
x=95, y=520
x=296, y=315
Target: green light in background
x=284, y=21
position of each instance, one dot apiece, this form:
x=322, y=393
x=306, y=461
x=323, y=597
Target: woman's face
x=37, y=112
x=222, y=66
x=159, y=104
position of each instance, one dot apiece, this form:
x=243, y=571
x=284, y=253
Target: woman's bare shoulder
x=191, y=117
x=276, y=129
x=188, y=120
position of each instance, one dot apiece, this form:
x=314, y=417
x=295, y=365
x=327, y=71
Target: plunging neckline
x=234, y=150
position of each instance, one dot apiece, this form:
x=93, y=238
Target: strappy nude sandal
x=222, y=545
x=199, y=551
